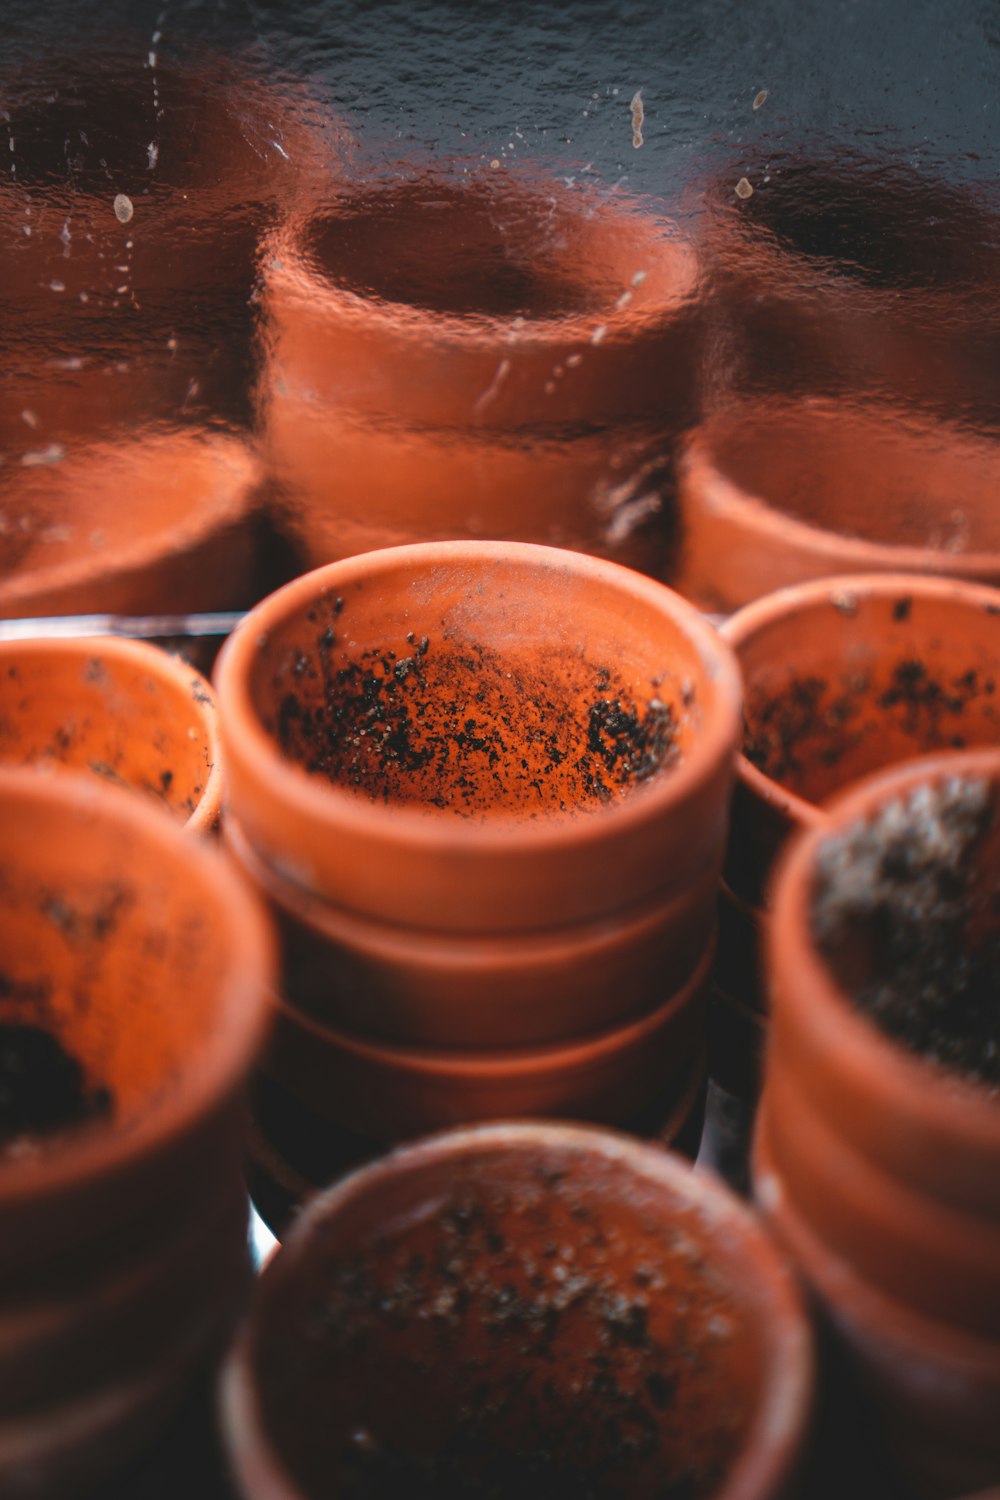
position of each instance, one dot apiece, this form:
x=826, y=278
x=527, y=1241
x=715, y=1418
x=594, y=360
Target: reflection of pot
x=158, y=524
x=775, y=492
x=856, y=275
x=650, y=1249
x=111, y=915
x=877, y=1168
x=477, y=356
x=494, y=786
x=123, y=710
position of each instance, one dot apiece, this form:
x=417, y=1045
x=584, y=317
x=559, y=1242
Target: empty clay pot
x=135, y=969
x=156, y=524
x=413, y=986
x=877, y=1157
x=485, y=354
x=123, y=710
x=492, y=737
x=776, y=491
x=516, y=1261
x=388, y=1092
x=843, y=676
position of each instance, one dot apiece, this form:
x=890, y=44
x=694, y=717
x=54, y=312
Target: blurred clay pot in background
x=502, y=737
x=135, y=971
x=663, y=1280
x=877, y=1156
x=776, y=491
x=854, y=274
x=488, y=355
x=157, y=524
x=841, y=676
x=123, y=710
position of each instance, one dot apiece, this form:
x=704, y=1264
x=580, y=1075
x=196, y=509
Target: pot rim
x=777, y=1431
x=699, y=474
x=180, y=679
x=426, y=831
x=289, y=270
x=840, y=591
x=227, y=503
x=217, y=1068
x=501, y=1065
x=907, y=1085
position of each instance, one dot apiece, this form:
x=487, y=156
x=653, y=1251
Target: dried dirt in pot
x=816, y=732
x=43, y=1088
x=906, y=911
x=511, y=1337
x=465, y=727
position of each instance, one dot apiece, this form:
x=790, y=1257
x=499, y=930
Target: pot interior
x=514, y=1321
x=482, y=688
x=121, y=719
x=854, y=680
x=886, y=479
x=905, y=909
x=116, y=945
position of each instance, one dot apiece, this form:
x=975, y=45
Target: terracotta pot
x=853, y=274
x=652, y=1259
x=776, y=491
x=109, y=906
x=383, y=1092
x=293, y=1153
x=483, y=354
x=123, y=710
x=505, y=795
x=879, y=1168
x=843, y=676
x=158, y=524
x=419, y=987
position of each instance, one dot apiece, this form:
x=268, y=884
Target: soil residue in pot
x=460, y=726
x=818, y=732
x=510, y=1341
x=43, y=1088
x=906, y=911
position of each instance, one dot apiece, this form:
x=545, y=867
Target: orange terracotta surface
x=159, y=524
x=529, y=1183
x=489, y=354
x=122, y=710
x=502, y=854
x=777, y=491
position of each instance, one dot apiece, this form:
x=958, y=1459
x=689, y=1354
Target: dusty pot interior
x=132, y=974
x=844, y=677
x=482, y=688
x=905, y=911
x=124, y=711
x=524, y=1311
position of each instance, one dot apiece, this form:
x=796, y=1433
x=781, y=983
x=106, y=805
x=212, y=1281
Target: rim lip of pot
x=224, y=505
x=175, y=676
x=289, y=272
x=704, y=486
x=776, y=1435
x=328, y=806
x=499, y=1066
x=784, y=606
x=916, y=1095
x=218, y=1070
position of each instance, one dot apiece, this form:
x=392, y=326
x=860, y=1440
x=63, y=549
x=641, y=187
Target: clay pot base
x=292, y=1154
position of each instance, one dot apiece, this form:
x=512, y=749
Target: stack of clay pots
x=477, y=352
x=877, y=1155
x=485, y=790
x=841, y=676
x=130, y=945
